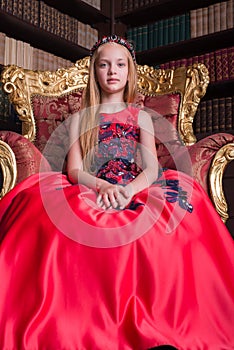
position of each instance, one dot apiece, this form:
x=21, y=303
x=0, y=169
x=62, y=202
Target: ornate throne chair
x=44, y=100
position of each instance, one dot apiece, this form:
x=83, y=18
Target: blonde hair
x=89, y=123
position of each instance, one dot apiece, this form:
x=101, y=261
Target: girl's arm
x=148, y=155
x=108, y=192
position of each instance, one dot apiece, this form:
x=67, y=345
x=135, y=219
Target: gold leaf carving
x=8, y=166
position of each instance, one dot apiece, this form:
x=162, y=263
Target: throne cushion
x=165, y=111
x=50, y=112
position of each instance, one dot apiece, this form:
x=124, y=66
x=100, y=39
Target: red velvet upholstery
x=165, y=110
x=28, y=158
x=202, y=153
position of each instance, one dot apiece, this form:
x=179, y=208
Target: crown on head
x=114, y=39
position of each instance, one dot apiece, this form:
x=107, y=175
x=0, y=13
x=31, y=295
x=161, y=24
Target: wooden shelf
x=219, y=89
x=187, y=48
x=39, y=38
x=159, y=10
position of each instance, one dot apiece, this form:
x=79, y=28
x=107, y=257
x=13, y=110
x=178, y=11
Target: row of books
x=24, y=55
x=160, y=33
x=131, y=5
x=214, y=115
x=41, y=15
x=67, y=27
x=211, y=19
x=220, y=63
x=192, y=24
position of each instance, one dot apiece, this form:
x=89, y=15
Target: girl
x=120, y=254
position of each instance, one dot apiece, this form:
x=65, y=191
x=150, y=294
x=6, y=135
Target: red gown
x=75, y=277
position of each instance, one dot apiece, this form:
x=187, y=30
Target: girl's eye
x=121, y=64
x=102, y=65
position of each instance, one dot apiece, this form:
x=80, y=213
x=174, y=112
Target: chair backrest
x=44, y=99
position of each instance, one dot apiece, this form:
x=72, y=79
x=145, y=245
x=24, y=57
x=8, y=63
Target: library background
x=50, y=34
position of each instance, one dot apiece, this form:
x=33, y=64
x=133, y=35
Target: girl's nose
x=111, y=70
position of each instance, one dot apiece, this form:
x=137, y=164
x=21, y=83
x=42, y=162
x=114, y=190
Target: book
x=217, y=17
x=218, y=65
x=205, y=25
x=230, y=53
x=182, y=27
x=209, y=116
x=215, y=114
x=223, y=15
x=193, y=23
x=2, y=47
x=230, y=11
x=225, y=69
x=199, y=22
x=228, y=114
x=221, y=108
x=211, y=25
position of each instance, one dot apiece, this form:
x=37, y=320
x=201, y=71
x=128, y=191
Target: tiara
x=114, y=39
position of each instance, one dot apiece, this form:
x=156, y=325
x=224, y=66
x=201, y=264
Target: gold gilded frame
x=190, y=82
x=222, y=158
x=21, y=84
x=8, y=166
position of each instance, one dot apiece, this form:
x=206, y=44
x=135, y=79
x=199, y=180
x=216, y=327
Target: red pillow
x=49, y=113
x=165, y=110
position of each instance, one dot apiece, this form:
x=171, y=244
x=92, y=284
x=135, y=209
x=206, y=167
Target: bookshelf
x=39, y=38
x=186, y=48
x=156, y=10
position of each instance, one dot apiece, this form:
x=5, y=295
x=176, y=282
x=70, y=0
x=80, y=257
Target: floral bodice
x=119, y=135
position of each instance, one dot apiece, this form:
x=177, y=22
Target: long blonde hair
x=89, y=123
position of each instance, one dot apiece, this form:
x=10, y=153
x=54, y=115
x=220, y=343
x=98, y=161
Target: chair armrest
x=209, y=158
x=19, y=158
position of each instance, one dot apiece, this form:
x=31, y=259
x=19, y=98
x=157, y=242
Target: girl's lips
x=112, y=80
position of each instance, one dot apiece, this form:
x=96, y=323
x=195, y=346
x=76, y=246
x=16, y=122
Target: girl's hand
x=112, y=196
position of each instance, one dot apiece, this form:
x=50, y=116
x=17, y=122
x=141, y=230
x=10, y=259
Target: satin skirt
x=76, y=277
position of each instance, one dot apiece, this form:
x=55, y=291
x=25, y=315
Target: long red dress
x=75, y=277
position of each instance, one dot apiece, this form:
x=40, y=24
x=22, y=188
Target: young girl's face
x=111, y=68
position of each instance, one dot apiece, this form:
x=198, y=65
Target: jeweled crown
x=114, y=39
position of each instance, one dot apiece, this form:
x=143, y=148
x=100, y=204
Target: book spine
x=211, y=25
x=156, y=41
x=221, y=114
x=170, y=30
x=223, y=15
x=187, y=26
x=212, y=67
x=2, y=47
x=199, y=23
x=209, y=116
x=203, y=117
x=228, y=113
x=193, y=23
x=205, y=21
x=151, y=35
x=215, y=115
x=230, y=53
x=145, y=37
x=177, y=29
x=225, y=70
x=165, y=31
x=230, y=12
x=217, y=16
x=182, y=27
x=197, y=120
x=160, y=33
x=218, y=65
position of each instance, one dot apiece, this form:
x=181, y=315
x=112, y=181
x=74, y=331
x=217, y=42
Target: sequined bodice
x=117, y=144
